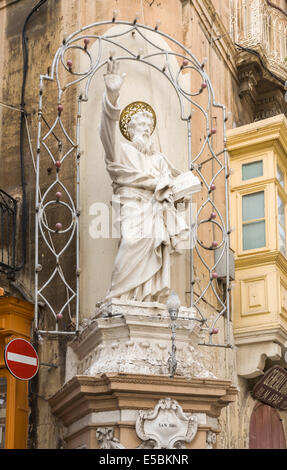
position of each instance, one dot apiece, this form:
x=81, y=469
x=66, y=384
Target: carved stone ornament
x=106, y=438
x=210, y=439
x=166, y=426
x=114, y=342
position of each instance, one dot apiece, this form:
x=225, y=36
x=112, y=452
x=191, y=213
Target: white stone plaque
x=166, y=426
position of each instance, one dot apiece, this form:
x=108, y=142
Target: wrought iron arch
x=81, y=41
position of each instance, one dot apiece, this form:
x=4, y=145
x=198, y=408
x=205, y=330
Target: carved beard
x=143, y=144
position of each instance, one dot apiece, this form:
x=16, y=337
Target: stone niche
x=170, y=137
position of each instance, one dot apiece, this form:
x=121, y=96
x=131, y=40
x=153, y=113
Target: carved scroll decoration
x=166, y=426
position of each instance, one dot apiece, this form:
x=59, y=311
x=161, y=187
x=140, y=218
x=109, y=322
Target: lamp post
x=173, y=304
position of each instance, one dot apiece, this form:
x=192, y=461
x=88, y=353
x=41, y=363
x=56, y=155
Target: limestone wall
x=203, y=28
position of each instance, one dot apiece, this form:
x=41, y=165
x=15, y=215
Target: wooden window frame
x=244, y=192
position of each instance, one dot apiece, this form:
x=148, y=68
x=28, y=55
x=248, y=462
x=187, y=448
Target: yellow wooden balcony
x=258, y=202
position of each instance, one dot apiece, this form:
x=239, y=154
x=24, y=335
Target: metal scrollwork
x=61, y=150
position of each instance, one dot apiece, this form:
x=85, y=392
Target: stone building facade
x=103, y=386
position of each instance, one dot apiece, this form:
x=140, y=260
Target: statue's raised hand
x=113, y=80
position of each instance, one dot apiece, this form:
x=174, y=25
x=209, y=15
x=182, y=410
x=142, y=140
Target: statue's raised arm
x=111, y=111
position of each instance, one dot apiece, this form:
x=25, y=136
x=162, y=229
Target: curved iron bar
x=72, y=43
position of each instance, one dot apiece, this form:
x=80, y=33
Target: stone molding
x=107, y=392
x=6, y=3
x=85, y=404
x=220, y=40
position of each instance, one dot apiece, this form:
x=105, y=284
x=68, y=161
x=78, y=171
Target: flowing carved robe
x=151, y=227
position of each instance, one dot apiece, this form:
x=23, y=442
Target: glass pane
x=253, y=206
x=3, y=399
x=254, y=235
x=280, y=176
x=281, y=212
x=252, y=170
x=282, y=240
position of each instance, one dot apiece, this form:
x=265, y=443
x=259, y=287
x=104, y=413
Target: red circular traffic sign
x=21, y=359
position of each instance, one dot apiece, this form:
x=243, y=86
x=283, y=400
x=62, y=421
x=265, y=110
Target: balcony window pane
x=282, y=240
x=3, y=400
x=280, y=176
x=281, y=226
x=254, y=235
x=252, y=170
x=281, y=210
x=253, y=206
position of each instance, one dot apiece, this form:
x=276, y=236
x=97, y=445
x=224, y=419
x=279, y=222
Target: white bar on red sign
x=21, y=358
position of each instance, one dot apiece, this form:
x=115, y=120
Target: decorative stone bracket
x=262, y=93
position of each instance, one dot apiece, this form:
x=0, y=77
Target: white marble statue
x=143, y=181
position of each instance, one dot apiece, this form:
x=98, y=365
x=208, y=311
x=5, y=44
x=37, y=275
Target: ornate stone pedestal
x=135, y=337
x=118, y=391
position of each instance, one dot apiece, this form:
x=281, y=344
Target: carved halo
x=129, y=111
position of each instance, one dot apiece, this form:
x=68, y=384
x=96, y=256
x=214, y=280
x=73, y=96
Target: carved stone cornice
x=108, y=392
x=270, y=104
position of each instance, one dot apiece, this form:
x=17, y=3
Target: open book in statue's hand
x=184, y=185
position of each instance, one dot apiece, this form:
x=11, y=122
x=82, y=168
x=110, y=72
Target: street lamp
x=173, y=304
